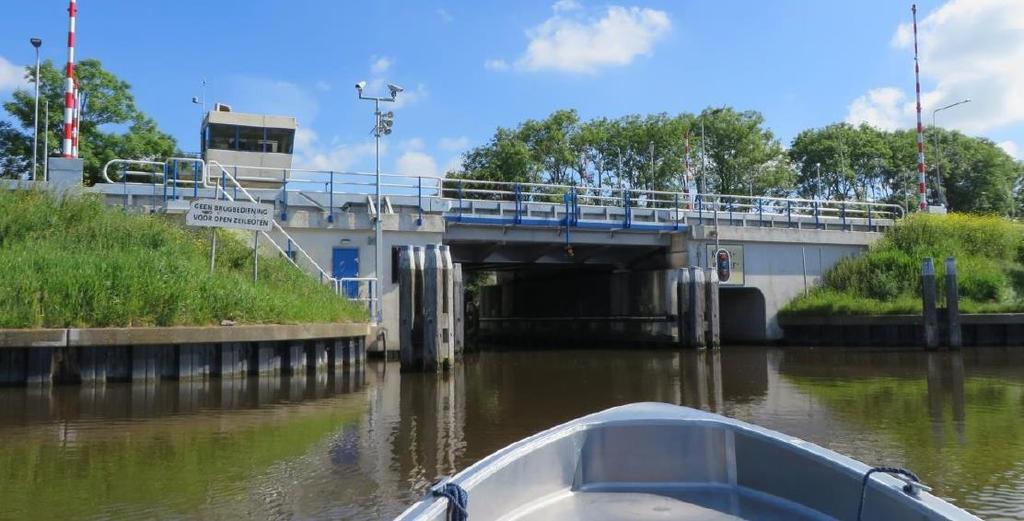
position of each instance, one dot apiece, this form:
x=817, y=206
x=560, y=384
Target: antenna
x=921, y=181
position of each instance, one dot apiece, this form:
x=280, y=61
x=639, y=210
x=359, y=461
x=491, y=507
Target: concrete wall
x=780, y=264
x=354, y=230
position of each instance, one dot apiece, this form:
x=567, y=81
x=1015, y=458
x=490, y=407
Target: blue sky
x=469, y=67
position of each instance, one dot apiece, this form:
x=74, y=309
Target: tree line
x=726, y=151
x=111, y=126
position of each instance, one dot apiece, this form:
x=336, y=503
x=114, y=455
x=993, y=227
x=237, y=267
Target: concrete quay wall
x=990, y=329
x=85, y=356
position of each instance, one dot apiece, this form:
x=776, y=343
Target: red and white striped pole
x=75, y=121
x=921, y=180
x=69, y=86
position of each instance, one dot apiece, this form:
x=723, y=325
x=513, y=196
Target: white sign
x=230, y=214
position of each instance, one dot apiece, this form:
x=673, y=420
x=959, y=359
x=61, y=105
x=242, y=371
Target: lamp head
x=36, y=42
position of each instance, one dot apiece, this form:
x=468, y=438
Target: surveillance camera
x=360, y=86
x=395, y=89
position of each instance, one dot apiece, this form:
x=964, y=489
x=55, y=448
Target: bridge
x=565, y=258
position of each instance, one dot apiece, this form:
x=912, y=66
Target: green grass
x=73, y=262
x=989, y=252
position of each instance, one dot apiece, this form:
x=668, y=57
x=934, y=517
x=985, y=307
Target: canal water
x=364, y=444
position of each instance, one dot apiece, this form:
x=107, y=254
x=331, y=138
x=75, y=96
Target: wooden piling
x=447, y=308
x=434, y=321
x=696, y=297
x=410, y=353
x=682, y=307
x=39, y=366
x=458, y=310
x=714, y=334
x=954, y=332
x=928, y=297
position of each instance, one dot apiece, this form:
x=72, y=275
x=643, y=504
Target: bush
x=887, y=279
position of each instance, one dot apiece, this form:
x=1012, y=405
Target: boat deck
x=705, y=504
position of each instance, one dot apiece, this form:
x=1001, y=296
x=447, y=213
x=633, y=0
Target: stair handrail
x=326, y=277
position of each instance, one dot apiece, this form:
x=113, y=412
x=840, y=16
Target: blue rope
x=458, y=500
x=887, y=470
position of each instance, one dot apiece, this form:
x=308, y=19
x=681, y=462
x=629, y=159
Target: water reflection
x=365, y=444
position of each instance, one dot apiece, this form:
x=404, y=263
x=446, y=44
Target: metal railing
x=292, y=248
x=570, y=205
x=466, y=200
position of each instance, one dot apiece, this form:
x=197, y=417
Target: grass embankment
x=887, y=279
x=73, y=262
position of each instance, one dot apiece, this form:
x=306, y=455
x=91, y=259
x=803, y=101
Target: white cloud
x=453, y=144
x=884, y=108
x=416, y=163
x=562, y=6
x=322, y=86
x=11, y=76
x=339, y=157
x=1010, y=148
x=496, y=65
x=968, y=49
x=381, y=65
x=569, y=41
x=446, y=17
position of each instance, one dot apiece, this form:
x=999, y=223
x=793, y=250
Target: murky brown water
x=363, y=445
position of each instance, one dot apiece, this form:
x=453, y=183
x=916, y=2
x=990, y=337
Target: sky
x=470, y=67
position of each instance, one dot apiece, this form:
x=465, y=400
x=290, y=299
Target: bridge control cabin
x=258, y=146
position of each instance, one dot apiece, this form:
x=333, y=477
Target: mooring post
x=955, y=336
x=928, y=296
x=696, y=315
x=459, y=309
x=714, y=334
x=447, y=307
x=683, y=307
x=407, y=309
x=433, y=317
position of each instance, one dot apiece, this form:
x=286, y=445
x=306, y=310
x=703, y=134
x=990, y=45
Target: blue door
x=344, y=264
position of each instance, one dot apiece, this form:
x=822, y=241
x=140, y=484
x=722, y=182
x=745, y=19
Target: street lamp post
x=938, y=150
x=817, y=182
x=46, y=141
x=36, y=42
x=382, y=126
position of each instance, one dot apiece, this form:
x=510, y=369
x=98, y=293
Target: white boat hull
x=653, y=461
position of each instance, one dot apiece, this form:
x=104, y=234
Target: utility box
x=65, y=173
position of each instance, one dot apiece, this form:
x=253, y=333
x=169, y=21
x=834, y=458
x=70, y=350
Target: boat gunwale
x=658, y=413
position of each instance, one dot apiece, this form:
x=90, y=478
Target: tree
x=638, y=152
x=743, y=155
x=851, y=161
x=970, y=174
x=110, y=106
x=15, y=152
